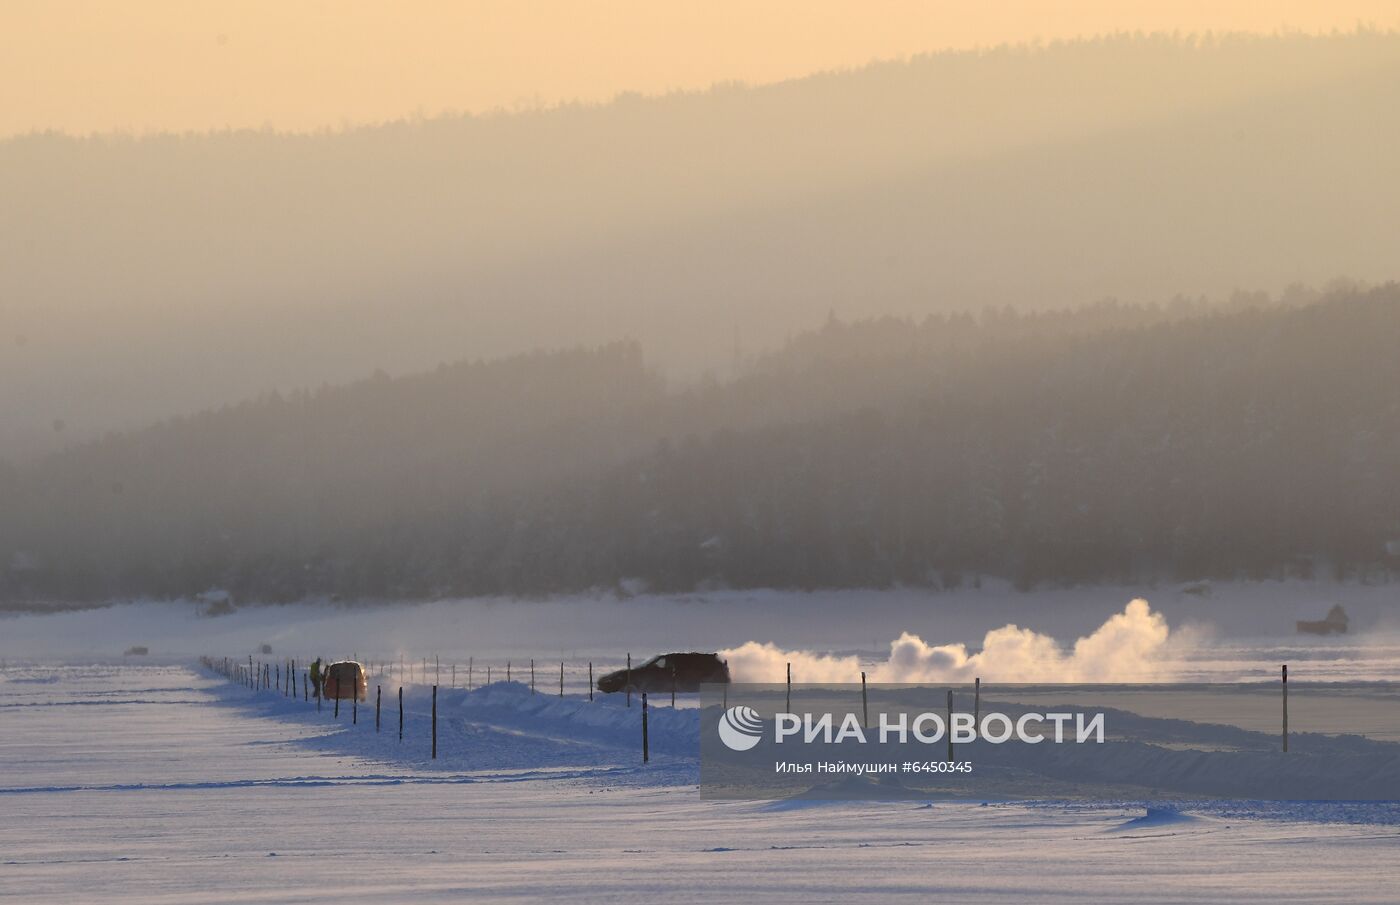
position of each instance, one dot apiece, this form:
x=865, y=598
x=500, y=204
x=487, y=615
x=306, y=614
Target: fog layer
x=1109, y=444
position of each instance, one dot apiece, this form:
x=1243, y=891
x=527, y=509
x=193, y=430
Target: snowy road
x=161, y=784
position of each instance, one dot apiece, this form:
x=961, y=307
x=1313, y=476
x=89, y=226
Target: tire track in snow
x=320, y=781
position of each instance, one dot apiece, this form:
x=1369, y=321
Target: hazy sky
x=198, y=64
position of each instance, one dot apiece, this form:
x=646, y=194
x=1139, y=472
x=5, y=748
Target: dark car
x=686, y=671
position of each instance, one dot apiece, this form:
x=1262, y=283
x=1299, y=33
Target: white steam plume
x=1129, y=647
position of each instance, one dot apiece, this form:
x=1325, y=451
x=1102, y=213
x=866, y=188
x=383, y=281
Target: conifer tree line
x=1258, y=438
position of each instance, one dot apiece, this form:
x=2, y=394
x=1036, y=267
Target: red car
x=345, y=680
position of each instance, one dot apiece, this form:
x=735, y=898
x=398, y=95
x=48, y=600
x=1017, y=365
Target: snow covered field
x=167, y=784
x=148, y=779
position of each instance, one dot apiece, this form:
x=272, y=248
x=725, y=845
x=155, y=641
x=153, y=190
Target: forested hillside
x=1107, y=443
x=153, y=274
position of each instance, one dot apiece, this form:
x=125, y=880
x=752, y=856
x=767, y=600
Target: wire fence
x=291, y=678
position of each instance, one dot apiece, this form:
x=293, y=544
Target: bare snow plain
x=123, y=780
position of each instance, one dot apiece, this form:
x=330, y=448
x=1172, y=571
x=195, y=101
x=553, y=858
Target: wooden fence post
x=590, y=680
x=950, y=724
x=400, y=713
x=1285, y=708
x=507, y=670
x=337, y=700
x=561, y=680
x=646, y=752
x=434, y=722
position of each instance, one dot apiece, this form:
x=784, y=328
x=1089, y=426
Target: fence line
x=282, y=676
x=268, y=676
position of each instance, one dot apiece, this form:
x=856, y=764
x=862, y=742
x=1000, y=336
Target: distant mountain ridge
x=167, y=273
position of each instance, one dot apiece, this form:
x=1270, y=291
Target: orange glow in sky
x=199, y=64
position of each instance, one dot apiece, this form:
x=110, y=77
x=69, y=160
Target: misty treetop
x=1112, y=442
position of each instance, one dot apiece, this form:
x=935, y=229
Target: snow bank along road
x=165, y=784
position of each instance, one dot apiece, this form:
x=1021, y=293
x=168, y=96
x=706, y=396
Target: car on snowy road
x=681, y=672
x=345, y=680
